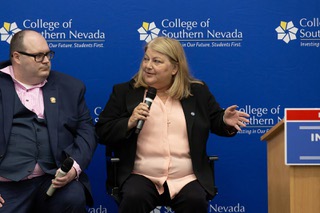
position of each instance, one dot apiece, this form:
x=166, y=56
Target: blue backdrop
x=260, y=55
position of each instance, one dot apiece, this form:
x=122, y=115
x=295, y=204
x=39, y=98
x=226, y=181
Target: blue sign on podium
x=302, y=136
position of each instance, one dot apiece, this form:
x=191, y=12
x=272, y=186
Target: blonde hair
x=183, y=79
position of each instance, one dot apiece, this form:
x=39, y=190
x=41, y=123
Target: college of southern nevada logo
x=165, y=210
x=148, y=31
x=287, y=31
x=8, y=30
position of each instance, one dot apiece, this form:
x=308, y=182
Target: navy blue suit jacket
x=202, y=114
x=70, y=126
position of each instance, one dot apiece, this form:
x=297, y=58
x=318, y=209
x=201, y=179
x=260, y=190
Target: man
x=1, y=201
x=43, y=121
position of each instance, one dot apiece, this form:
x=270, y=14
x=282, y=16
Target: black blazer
x=202, y=113
x=70, y=126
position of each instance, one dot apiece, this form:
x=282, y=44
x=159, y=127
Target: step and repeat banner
x=261, y=55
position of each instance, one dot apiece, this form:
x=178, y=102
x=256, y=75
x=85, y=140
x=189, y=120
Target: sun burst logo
x=148, y=31
x=286, y=31
x=156, y=210
x=8, y=30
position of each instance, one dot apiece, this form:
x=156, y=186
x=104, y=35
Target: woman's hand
x=141, y=112
x=235, y=118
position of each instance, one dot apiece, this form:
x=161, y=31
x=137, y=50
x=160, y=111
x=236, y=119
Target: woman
x=166, y=163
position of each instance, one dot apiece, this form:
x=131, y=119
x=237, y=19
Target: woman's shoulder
x=199, y=86
x=124, y=85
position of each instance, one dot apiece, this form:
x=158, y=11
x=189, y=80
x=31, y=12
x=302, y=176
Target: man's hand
x=1, y=201
x=59, y=182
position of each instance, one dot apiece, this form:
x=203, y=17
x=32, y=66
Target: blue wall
x=232, y=45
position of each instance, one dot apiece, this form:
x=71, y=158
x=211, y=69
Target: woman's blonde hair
x=172, y=48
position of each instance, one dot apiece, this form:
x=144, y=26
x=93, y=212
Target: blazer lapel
x=8, y=93
x=189, y=109
x=51, y=106
x=134, y=97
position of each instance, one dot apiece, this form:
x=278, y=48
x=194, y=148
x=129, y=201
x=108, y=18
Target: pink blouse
x=163, y=152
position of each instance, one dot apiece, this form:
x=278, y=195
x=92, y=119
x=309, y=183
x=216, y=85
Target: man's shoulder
x=61, y=77
x=4, y=64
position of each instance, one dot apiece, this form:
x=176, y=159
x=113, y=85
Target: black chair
x=112, y=169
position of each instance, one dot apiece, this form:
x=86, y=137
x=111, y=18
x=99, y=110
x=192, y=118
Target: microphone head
x=151, y=93
x=67, y=164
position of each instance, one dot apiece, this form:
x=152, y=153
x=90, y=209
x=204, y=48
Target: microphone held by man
x=151, y=94
x=65, y=168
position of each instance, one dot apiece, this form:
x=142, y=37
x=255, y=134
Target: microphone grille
x=151, y=93
x=67, y=164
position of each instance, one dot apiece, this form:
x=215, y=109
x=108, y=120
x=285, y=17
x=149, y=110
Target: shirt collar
x=9, y=70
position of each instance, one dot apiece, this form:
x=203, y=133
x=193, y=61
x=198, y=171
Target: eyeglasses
x=40, y=56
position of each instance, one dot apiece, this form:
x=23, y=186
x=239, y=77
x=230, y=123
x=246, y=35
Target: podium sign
x=302, y=136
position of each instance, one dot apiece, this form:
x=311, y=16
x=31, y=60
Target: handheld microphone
x=151, y=94
x=65, y=168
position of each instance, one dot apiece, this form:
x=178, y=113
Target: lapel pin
x=192, y=113
x=53, y=100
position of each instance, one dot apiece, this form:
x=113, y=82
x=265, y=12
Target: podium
x=291, y=189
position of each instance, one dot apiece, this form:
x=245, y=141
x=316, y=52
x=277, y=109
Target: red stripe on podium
x=303, y=114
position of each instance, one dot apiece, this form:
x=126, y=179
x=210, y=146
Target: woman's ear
x=175, y=69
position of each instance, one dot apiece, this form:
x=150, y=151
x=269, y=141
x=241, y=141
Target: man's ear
x=15, y=57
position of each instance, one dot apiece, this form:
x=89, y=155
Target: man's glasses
x=40, y=56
